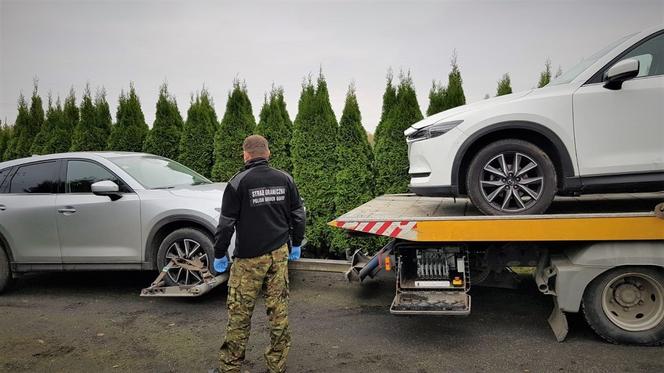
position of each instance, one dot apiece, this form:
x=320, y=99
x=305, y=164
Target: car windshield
x=580, y=67
x=154, y=172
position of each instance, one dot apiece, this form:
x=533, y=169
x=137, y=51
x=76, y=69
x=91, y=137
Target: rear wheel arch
x=532, y=132
x=168, y=225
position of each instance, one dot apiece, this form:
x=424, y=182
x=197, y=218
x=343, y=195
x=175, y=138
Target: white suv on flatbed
x=597, y=128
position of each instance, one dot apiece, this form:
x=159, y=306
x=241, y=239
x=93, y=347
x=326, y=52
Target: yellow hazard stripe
x=573, y=229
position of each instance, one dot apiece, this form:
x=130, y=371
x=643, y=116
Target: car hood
x=454, y=114
x=211, y=192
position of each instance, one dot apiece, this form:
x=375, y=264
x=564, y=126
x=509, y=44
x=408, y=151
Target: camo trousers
x=248, y=276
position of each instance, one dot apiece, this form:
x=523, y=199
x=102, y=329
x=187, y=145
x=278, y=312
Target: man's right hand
x=220, y=265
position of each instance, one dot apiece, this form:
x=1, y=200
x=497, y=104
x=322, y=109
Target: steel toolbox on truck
x=605, y=252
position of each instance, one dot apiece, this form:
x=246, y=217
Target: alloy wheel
x=186, y=249
x=511, y=182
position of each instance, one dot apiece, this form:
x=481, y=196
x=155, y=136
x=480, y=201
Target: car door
x=620, y=131
x=27, y=216
x=95, y=229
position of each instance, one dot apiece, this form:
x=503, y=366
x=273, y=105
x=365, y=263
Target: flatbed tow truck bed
x=605, y=251
x=433, y=219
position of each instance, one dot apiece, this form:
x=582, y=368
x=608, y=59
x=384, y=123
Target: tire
x=493, y=194
x=198, y=243
x=618, y=316
x=5, y=271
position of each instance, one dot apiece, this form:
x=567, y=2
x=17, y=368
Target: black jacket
x=263, y=206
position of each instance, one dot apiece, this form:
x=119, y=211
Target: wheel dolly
x=208, y=281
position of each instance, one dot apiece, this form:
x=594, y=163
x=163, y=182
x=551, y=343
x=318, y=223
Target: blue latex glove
x=220, y=265
x=295, y=253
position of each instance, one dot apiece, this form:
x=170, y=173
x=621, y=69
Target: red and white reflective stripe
x=381, y=228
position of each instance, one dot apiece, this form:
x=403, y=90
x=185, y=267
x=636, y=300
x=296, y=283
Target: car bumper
x=431, y=165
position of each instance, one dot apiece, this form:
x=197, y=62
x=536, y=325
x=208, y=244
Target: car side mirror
x=620, y=72
x=106, y=188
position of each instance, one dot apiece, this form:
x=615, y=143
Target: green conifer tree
x=197, y=140
x=5, y=135
x=504, y=85
x=22, y=118
x=61, y=138
x=33, y=125
x=92, y=130
x=275, y=128
x=354, y=176
x=389, y=102
x=454, y=96
x=238, y=123
x=164, y=137
x=545, y=76
x=436, y=98
x=391, y=150
x=40, y=145
x=103, y=119
x=314, y=160
x=128, y=133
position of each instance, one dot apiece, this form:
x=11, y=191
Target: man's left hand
x=295, y=253
x=220, y=265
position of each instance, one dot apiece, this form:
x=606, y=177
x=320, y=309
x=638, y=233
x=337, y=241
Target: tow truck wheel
x=626, y=305
x=511, y=177
x=5, y=271
x=186, y=243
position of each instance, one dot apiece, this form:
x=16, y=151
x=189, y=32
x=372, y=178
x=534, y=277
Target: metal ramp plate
x=431, y=303
x=410, y=217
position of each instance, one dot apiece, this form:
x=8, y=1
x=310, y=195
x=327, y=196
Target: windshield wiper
x=164, y=187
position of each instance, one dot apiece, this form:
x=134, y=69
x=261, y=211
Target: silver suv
x=104, y=211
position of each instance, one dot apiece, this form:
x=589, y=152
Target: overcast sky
x=194, y=43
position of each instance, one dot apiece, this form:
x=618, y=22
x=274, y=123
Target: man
x=263, y=207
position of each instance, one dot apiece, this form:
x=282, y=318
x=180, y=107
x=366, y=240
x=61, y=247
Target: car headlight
x=433, y=130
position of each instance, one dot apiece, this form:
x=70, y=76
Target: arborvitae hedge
x=53, y=116
x=5, y=136
x=91, y=132
x=454, y=96
x=197, y=140
x=22, y=119
x=128, y=133
x=103, y=121
x=276, y=129
x=314, y=160
x=238, y=123
x=389, y=102
x=504, y=86
x=61, y=137
x=545, y=76
x=164, y=137
x=436, y=98
x=354, y=176
x=32, y=127
x=391, y=150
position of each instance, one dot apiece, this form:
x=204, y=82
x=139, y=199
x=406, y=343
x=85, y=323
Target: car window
x=650, y=55
x=34, y=178
x=82, y=174
x=3, y=175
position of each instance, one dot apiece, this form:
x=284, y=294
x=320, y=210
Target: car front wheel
x=185, y=243
x=511, y=177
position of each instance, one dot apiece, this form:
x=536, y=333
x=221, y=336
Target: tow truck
x=602, y=254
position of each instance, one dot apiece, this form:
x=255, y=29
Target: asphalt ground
x=96, y=322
